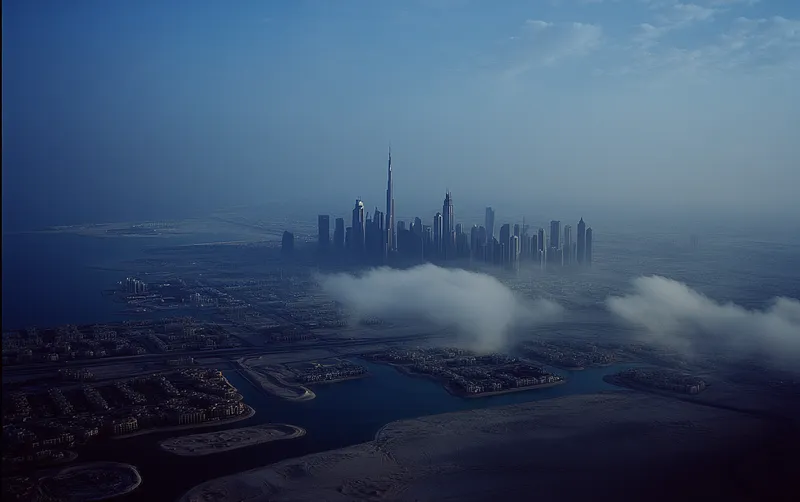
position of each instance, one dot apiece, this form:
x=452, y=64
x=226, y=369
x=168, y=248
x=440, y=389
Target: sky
x=145, y=109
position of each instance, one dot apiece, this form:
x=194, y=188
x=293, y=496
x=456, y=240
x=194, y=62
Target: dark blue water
x=342, y=414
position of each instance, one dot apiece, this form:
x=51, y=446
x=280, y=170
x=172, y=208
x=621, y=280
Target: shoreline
x=230, y=443
x=463, y=395
x=504, y=391
x=274, y=389
x=135, y=482
x=249, y=413
x=324, y=382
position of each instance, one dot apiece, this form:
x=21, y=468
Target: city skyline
x=378, y=240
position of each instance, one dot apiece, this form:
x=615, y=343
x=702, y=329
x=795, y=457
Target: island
x=657, y=379
x=291, y=381
x=233, y=439
x=466, y=374
x=89, y=482
x=568, y=354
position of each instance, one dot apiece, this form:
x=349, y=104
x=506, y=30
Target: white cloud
x=543, y=43
x=479, y=306
x=673, y=314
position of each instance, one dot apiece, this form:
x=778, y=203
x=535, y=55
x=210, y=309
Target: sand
x=623, y=446
x=232, y=439
x=267, y=378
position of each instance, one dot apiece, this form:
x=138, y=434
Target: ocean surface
x=57, y=278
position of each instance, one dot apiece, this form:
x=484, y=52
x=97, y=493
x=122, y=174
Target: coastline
x=504, y=391
x=261, y=434
x=279, y=388
x=249, y=413
x=460, y=394
x=324, y=382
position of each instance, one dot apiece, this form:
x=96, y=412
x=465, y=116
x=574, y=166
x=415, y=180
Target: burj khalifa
x=390, y=228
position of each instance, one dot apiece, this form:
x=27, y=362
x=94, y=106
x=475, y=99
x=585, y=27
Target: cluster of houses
x=331, y=373
x=664, y=380
x=468, y=372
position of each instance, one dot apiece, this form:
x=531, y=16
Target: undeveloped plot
x=232, y=439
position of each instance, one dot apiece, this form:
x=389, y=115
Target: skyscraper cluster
x=378, y=238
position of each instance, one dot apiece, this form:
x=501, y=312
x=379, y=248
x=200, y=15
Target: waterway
x=342, y=414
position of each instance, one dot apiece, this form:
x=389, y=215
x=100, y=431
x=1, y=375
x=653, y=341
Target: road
x=283, y=348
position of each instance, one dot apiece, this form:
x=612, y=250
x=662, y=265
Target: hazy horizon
x=151, y=110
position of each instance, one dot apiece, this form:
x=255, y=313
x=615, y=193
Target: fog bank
x=673, y=314
x=480, y=307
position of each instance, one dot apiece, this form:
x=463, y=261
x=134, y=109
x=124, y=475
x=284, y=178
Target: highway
x=282, y=348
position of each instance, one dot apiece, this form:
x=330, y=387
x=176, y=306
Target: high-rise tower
x=323, y=231
x=448, y=225
x=489, y=224
x=437, y=234
x=391, y=238
x=555, y=233
x=359, y=227
x=581, y=241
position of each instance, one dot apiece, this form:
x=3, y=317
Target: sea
x=56, y=278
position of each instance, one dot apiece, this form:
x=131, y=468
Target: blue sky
x=129, y=110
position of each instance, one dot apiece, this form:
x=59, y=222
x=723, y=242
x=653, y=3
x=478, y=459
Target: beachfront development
x=61, y=417
x=467, y=374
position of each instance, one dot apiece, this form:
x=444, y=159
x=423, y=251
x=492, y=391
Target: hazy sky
x=134, y=109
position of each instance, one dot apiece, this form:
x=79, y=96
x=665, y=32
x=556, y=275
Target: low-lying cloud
x=480, y=307
x=674, y=314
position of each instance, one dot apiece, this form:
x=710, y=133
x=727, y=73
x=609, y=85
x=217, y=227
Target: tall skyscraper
x=391, y=237
x=513, y=249
x=359, y=236
x=448, y=225
x=542, y=240
x=417, y=229
x=567, y=245
x=438, y=240
x=588, y=256
x=505, y=242
x=338, y=234
x=517, y=230
x=489, y=224
x=581, y=240
x=324, y=231
x=555, y=233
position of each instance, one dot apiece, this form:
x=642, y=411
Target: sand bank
x=231, y=439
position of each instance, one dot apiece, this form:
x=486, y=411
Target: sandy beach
x=626, y=446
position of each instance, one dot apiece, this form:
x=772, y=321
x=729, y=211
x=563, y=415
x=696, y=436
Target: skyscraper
x=516, y=230
x=338, y=234
x=324, y=231
x=438, y=241
x=505, y=241
x=513, y=249
x=567, y=245
x=555, y=233
x=588, y=256
x=489, y=224
x=358, y=238
x=542, y=240
x=448, y=225
x=581, y=240
x=391, y=237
